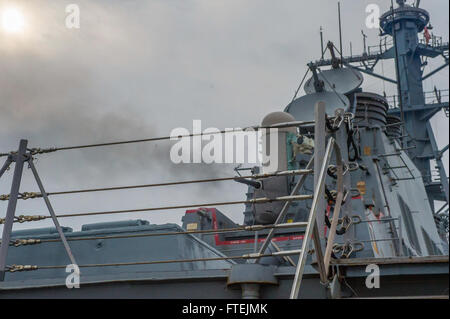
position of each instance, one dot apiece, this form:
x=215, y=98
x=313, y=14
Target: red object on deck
x=426, y=34
x=240, y=241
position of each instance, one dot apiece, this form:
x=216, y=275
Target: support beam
x=434, y=71
x=430, y=114
x=416, y=108
x=440, y=165
x=52, y=212
x=318, y=198
x=284, y=210
x=320, y=134
x=371, y=73
x=337, y=209
x=319, y=254
x=5, y=166
x=20, y=158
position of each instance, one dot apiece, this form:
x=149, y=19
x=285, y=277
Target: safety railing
x=322, y=158
x=348, y=247
x=324, y=129
x=431, y=97
x=26, y=155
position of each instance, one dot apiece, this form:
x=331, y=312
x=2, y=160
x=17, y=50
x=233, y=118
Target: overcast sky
x=138, y=69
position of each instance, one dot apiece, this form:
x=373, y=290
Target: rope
x=35, y=151
x=25, y=242
x=252, y=201
x=27, y=195
x=20, y=242
x=352, y=144
x=23, y=218
x=14, y=268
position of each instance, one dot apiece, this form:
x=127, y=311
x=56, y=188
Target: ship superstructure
x=353, y=187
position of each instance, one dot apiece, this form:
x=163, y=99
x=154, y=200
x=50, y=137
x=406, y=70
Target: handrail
x=318, y=196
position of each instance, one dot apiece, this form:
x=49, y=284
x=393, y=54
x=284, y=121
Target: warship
x=356, y=207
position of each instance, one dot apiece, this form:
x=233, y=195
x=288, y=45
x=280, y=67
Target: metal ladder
x=393, y=168
x=312, y=232
x=321, y=159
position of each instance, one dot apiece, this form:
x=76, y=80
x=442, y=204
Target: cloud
x=138, y=69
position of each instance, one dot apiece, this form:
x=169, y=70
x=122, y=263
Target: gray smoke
x=138, y=69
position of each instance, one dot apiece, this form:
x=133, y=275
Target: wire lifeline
x=35, y=151
x=14, y=268
x=25, y=218
x=253, y=201
x=28, y=195
x=22, y=242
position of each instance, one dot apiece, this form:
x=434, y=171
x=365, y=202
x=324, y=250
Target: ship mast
x=404, y=24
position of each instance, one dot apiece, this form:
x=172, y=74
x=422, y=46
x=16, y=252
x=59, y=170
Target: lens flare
x=12, y=20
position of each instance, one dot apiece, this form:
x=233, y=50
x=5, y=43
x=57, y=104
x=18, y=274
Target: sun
x=12, y=20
